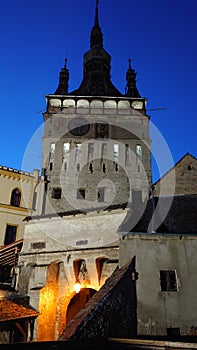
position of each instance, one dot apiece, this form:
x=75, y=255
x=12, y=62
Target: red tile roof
x=10, y=311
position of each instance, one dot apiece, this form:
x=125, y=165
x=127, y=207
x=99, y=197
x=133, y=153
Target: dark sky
x=36, y=36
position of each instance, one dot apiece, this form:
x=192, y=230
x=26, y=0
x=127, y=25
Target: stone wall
x=181, y=179
x=92, y=171
x=81, y=247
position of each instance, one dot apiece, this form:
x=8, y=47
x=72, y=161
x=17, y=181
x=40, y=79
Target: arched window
x=16, y=198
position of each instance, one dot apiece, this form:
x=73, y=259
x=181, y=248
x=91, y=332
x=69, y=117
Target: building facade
x=16, y=202
x=94, y=189
x=166, y=290
x=96, y=163
x=179, y=180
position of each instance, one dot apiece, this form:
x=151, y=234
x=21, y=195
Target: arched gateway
x=78, y=301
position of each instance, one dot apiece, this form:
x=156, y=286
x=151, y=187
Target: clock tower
x=96, y=164
x=96, y=140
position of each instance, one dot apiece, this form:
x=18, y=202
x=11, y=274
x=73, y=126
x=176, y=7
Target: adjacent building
x=183, y=175
x=166, y=265
x=17, y=198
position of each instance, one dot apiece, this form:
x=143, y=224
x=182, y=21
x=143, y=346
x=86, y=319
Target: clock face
x=78, y=127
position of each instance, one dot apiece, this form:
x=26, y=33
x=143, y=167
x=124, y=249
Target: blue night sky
x=36, y=36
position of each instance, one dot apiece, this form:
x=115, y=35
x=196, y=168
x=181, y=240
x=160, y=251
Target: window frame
x=56, y=193
x=9, y=241
x=81, y=193
x=168, y=281
x=14, y=195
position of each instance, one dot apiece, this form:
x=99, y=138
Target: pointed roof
x=96, y=73
x=131, y=88
x=63, y=81
x=96, y=79
x=185, y=156
x=178, y=213
x=96, y=37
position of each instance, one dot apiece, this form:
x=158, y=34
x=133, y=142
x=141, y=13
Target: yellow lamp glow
x=77, y=287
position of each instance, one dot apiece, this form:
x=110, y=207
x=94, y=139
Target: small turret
x=131, y=89
x=63, y=81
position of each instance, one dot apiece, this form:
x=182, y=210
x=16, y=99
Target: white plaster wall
x=94, y=229
x=158, y=310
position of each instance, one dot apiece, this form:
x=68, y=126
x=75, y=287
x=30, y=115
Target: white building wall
x=158, y=310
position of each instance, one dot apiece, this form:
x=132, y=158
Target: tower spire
x=96, y=71
x=96, y=19
x=96, y=37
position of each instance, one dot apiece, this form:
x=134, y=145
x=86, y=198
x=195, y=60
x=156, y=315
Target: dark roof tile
x=171, y=215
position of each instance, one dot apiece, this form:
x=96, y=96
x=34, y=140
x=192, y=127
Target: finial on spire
x=96, y=38
x=96, y=20
x=129, y=60
x=65, y=62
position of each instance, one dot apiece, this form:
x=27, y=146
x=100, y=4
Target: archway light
x=77, y=287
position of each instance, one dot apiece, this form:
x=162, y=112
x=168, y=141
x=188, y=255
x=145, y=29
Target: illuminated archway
x=48, y=303
x=78, y=301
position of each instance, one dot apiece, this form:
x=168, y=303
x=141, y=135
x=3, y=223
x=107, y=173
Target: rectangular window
x=103, y=151
x=168, y=280
x=65, y=158
x=52, y=151
x=78, y=150
x=56, y=193
x=90, y=151
x=66, y=148
x=101, y=194
x=126, y=154
x=139, y=151
x=81, y=193
x=116, y=153
x=10, y=234
x=173, y=332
